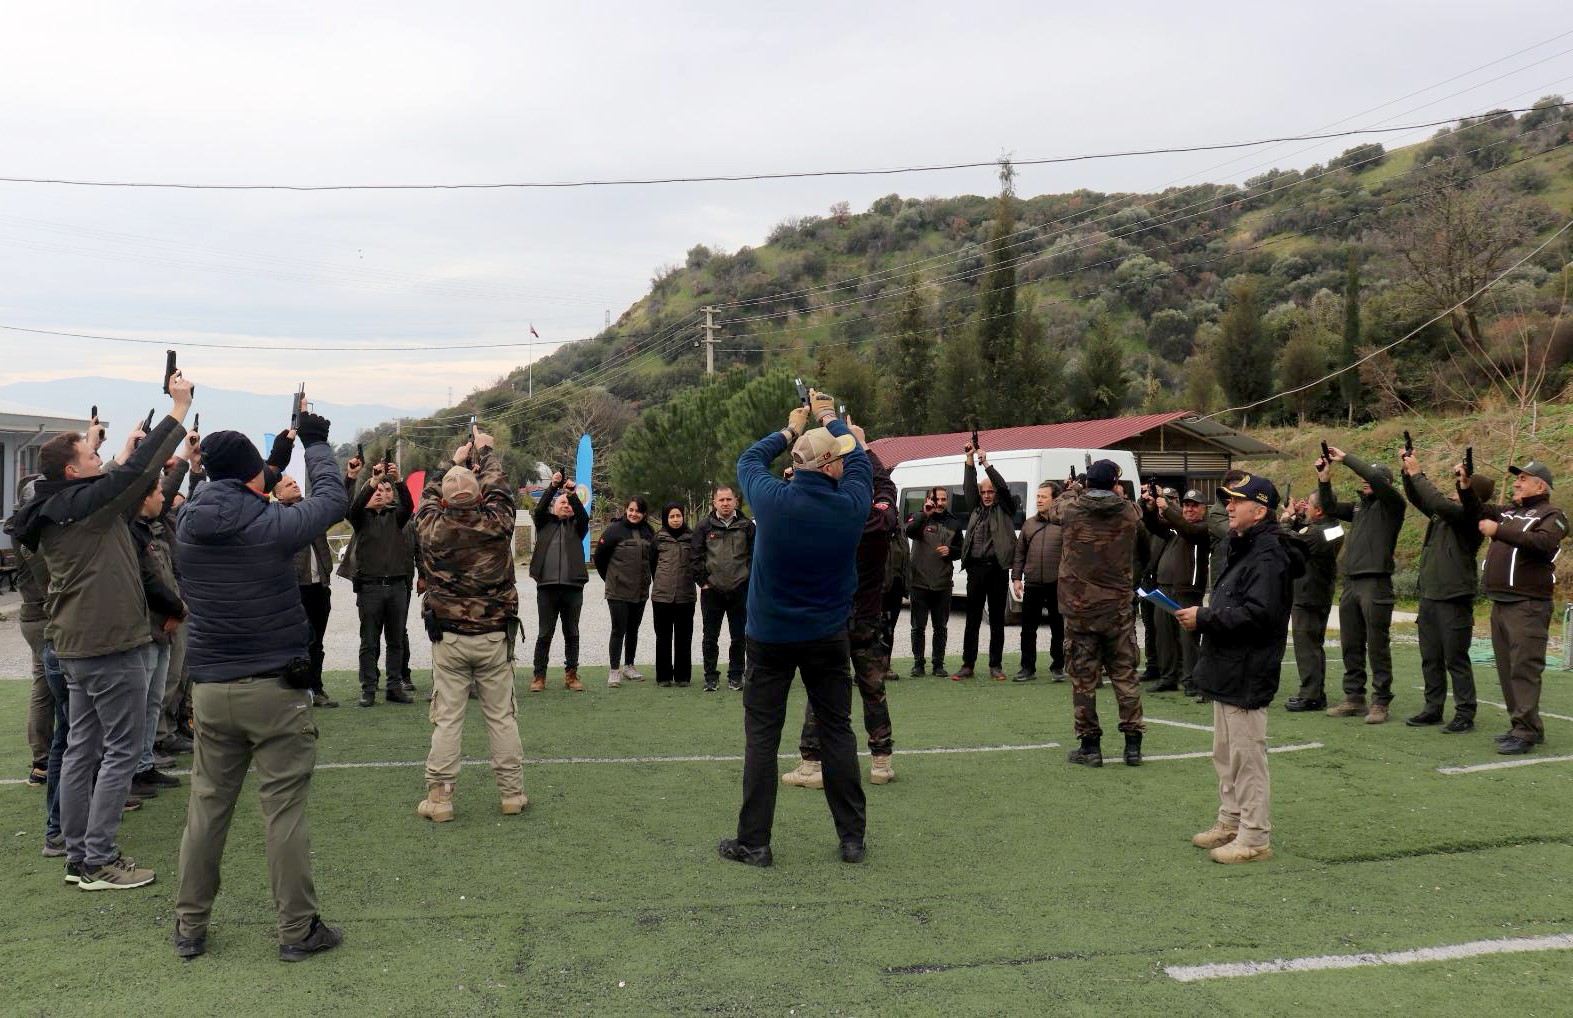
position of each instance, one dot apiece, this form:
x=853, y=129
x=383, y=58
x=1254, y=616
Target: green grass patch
x=996, y=883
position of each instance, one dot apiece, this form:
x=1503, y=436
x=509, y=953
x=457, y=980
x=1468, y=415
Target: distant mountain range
x=123, y=403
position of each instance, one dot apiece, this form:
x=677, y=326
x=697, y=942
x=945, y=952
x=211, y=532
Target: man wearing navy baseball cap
x=1244, y=629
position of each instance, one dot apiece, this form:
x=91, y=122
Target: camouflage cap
x=817, y=449
x=460, y=487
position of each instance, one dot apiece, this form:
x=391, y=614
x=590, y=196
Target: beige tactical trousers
x=1240, y=758
x=458, y=660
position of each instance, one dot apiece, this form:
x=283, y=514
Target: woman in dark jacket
x=622, y=557
x=673, y=592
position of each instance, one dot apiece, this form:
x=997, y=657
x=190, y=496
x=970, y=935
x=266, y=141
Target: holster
x=298, y=674
x=515, y=630
x=433, y=630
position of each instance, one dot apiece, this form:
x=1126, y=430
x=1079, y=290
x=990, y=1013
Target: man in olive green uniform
x=1365, y=612
x=471, y=610
x=1320, y=539
x=1447, y=593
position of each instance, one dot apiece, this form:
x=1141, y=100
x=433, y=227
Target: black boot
x=1133, y=749
x=1089, y=755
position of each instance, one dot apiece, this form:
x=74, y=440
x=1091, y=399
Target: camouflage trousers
x=870, y=662
x=1103, y=643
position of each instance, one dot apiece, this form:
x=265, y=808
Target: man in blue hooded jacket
x=802, y=581
x=251, y=676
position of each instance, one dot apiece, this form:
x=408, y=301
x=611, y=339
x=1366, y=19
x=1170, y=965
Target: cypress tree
x=1243, y=358
x=1349, y=381
x=996, y=346
x=909, y=366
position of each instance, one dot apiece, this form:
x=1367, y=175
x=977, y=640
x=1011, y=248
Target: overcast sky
x=396, y=92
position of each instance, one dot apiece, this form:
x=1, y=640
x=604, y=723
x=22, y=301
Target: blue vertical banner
x=584, y=464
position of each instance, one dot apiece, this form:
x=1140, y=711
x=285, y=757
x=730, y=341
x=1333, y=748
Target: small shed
x=23, y=429
x=1179, y=448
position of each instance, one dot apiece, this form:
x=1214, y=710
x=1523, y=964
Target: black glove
x=313, y=428
x=283, y=449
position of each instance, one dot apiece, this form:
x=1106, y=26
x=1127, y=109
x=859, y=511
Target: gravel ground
x=343, y=639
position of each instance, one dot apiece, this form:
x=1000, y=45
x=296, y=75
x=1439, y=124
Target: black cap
x=1254, y=489
x=1194, y=496
x=1534, y=468
x=1102, y=474
x=230, y=456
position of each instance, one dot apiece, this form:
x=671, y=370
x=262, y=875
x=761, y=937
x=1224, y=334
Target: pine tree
x=1349, y=381
x=908, y=365
x=1243, y=358
x=1100, y=385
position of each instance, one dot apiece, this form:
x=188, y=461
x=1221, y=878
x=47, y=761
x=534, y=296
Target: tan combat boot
x=438, y=804
x=1348, y=707
x=1377, y=715
x=513, y=805
x=805, y=775
x=538, y=683
x=571, y=680
x=881, y=772
x=1234, y=852
x=1216, y=836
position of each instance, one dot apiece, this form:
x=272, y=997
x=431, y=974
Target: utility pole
x=709, y=340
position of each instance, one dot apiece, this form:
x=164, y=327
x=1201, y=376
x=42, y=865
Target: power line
x=729, y=178
x=177, y=344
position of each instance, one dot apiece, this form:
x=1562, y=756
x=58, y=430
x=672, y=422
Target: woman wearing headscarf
x=622, y=557
x=674, y=595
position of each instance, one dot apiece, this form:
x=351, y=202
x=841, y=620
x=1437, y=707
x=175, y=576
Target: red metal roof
x=1102, y=434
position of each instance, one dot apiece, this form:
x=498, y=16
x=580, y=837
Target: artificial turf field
x=996, y=882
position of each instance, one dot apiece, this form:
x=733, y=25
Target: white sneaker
x=632, y=674
x=614, y=678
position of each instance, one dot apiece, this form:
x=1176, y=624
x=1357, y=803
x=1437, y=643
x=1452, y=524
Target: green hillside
x=923, y=313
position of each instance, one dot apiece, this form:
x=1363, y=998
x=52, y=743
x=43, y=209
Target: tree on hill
x=1349, y=382
x=1243, y=359
x=908, y=369
x=1100, y=384
x=1303, y=362
x=996, y=325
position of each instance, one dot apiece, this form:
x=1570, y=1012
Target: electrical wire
x=721, y=178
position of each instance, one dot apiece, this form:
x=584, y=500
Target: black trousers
x=1446, y=629
x=317, y=599
x=382, y=607
x=891, y=615
x=986, y=587
x=1036, y=599
x=1176, y=650
x=927, y=605
x=674, y=642
x=731, y=605
x=1149, y=616
x=626, y=617
x=404, y=627
x=1308, y=624
x=553, y=603
x=825, y=667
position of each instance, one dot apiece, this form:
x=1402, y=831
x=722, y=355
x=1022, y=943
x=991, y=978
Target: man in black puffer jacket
x=250, y=675
x=1244, y=630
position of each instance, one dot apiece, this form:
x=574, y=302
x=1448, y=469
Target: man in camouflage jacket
x=1099, y=529
x=471, y=609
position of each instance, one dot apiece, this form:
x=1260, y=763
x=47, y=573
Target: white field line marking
x=1499, y=765
x=701, y=758
x=1447, y=952
x=1503, y=706
x=1178, y=724
x=1207, y=755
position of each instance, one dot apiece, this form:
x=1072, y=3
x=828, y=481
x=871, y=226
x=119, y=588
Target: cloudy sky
x=396, y=92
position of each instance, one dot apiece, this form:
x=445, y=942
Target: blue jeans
x=155, y=703
x=57, y=745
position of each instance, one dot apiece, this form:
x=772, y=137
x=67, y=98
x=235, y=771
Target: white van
x=1023, y=470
